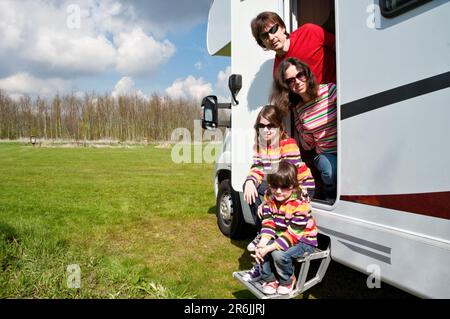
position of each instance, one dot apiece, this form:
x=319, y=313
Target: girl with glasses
x=288, y=230
x=315, y=112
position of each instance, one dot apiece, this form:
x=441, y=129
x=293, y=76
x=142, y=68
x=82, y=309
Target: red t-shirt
x=316, y=47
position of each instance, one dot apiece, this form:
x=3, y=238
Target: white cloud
x=39, y=40
x=24, y=83
x=79, y=54
x=126, y=86
x=11, y=27
x=40, y=35
x=198, y=65
x=197, y=89
x=189, y=88
x=80, y=94
x=161, y=17
x=221, y=86
x=139, y=53
x=104, y=35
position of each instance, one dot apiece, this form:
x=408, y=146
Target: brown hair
x=281, y=93
x=273, y=115
x=285, y=176
x=261, y=21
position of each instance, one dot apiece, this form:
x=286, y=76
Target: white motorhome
x=393, y=76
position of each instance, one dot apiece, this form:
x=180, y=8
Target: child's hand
x=262, y=242
x=260, y=253
x=250, y=192
x=257, y=258
x=260, y=209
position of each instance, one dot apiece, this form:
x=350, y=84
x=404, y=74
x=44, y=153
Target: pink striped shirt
x=316, y=121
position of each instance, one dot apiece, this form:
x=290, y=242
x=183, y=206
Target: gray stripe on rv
x=368, y=253
x=357, y=240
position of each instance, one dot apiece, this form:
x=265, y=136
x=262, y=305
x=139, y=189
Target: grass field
x=138, y=226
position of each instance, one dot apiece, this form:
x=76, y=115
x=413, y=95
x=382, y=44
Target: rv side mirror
x=235, y=85
x=209, y=106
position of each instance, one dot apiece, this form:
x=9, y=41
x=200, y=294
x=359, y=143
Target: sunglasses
x=263, y=126
x=283, y=188
x=265, y=35
x=301, y=76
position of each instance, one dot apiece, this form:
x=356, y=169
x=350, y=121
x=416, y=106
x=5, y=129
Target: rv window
x=393, y=8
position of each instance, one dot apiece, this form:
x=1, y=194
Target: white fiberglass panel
x=256, y=67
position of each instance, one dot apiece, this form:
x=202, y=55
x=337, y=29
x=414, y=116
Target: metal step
x=301, y=285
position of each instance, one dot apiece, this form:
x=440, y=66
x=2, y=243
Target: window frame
x=408, y=6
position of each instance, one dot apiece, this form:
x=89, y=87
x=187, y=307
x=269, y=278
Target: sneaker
x=253, y=274
x=285, y=290
x=270, y=288
x=252, y=246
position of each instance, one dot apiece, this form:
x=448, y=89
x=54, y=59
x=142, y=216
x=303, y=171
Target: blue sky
x=114, y=46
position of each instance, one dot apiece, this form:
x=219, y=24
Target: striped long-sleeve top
x=289, y=223
x=316, y=121
x=266, y=159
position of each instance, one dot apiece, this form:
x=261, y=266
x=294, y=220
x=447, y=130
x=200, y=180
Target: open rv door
x=256, y=67
x=229, y=34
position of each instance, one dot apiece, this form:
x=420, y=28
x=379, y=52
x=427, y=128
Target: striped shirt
x=265, y=161
x=289, y=224
x=316, y=121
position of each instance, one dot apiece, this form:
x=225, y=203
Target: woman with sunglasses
x=310, y=43
x=315, y=113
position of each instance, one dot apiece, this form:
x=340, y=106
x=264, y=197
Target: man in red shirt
x=309, y=43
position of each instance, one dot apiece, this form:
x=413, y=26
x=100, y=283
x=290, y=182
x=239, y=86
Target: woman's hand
x=250, y=192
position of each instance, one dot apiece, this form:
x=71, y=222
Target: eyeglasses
x=263, y=126
x=301, y=76
x=265, y=35
x=283, y=188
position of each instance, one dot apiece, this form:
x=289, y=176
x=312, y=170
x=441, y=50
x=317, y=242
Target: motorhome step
x=301, y=285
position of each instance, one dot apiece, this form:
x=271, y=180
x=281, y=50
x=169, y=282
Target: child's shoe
x=285, y=290
x=253, y=274
x=270, y=288
x=252, y=246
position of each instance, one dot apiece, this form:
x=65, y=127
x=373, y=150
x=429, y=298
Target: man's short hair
x=261, y=21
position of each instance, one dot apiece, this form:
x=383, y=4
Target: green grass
x=138, y=225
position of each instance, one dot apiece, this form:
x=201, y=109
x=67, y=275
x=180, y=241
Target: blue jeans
x=326, y=163
x=254, y=207
x=283, y=262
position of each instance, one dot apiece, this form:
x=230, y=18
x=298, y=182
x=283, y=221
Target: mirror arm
x=235, y=85
x=234, y=98
x=224, y=105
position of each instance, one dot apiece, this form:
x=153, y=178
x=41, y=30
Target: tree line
x=96, y=117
